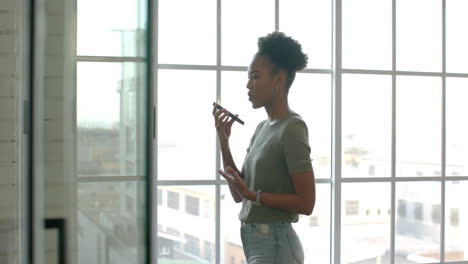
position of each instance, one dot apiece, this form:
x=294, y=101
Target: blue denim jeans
x=271, y=243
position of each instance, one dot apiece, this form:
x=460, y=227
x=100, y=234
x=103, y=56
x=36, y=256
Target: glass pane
x=109, y=110
x=242, y=24
x=456, y=21
x=314, y=230
x=457, y=141
x=187, y=32
x=232, y=250
x=365, y=214
x=234, y=98
x=367, y=45
x=418, y=126
x=310, y=96
x=186, y=225
x=366, y=125
x=417, y=222
x=419, y=41
x=309, y=22
x=456, y=213
x=110, y=218
x=120, y=32
x=90, y=119
x=185, y=101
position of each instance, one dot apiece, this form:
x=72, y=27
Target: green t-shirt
x=275, y=153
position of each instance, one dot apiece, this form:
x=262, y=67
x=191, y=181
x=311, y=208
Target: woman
x=276, y=182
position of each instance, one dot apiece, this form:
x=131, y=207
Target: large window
x=384, y=99
x=111, y=130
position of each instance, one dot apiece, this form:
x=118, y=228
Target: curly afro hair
x=284, y=53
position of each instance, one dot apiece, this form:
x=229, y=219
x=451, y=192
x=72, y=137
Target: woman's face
x=263, y=85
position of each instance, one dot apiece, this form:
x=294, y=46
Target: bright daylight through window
x=384, y=98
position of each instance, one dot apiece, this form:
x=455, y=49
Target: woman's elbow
x=308, y=211
x=308, y=208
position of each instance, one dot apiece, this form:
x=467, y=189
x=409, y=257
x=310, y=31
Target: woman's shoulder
x=294, y=123
x=295, y=119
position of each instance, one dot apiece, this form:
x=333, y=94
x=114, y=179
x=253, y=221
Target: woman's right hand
x=223, y=124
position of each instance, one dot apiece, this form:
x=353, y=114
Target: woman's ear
x=281, y=81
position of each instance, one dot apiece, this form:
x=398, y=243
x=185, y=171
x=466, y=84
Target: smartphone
x=229, y=113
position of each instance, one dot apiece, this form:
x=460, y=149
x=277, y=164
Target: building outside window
x=418, y=211
x=160, y=196
x=402, y=208
x=192, y=245
x=192, y=205
x=173, y=200
x=352, y=207
x=454, y=216
x=436, y=213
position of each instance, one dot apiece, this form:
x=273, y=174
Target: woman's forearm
x=227, y=158
x=290, y=202
x=229, y=161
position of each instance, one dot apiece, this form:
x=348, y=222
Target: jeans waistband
x=253, y=224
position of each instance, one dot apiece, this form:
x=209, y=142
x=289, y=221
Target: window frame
x=335, y=180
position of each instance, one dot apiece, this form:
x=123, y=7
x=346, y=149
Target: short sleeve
x=296, y=149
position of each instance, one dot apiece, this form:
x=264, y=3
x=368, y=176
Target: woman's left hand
x=235, y=181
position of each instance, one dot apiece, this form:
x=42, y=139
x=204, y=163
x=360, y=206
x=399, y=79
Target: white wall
x=10, y=94
x=54, y=124
x=55, y=120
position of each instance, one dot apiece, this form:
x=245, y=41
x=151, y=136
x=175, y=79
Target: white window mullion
x=188, y=67
x=459, y=75
x=403, y=73
x=335, y=250
x=277, y=15
x=403, y=179
x=367, y=71
x=442, y=222
x=217, y=151
x=443, y=157
x=110, y=59
x=393, y=158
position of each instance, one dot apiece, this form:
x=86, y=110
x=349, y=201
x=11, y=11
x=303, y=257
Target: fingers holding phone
x=223, y=122
x=235, y=117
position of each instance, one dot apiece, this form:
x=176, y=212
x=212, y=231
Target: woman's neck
x=278, y=110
